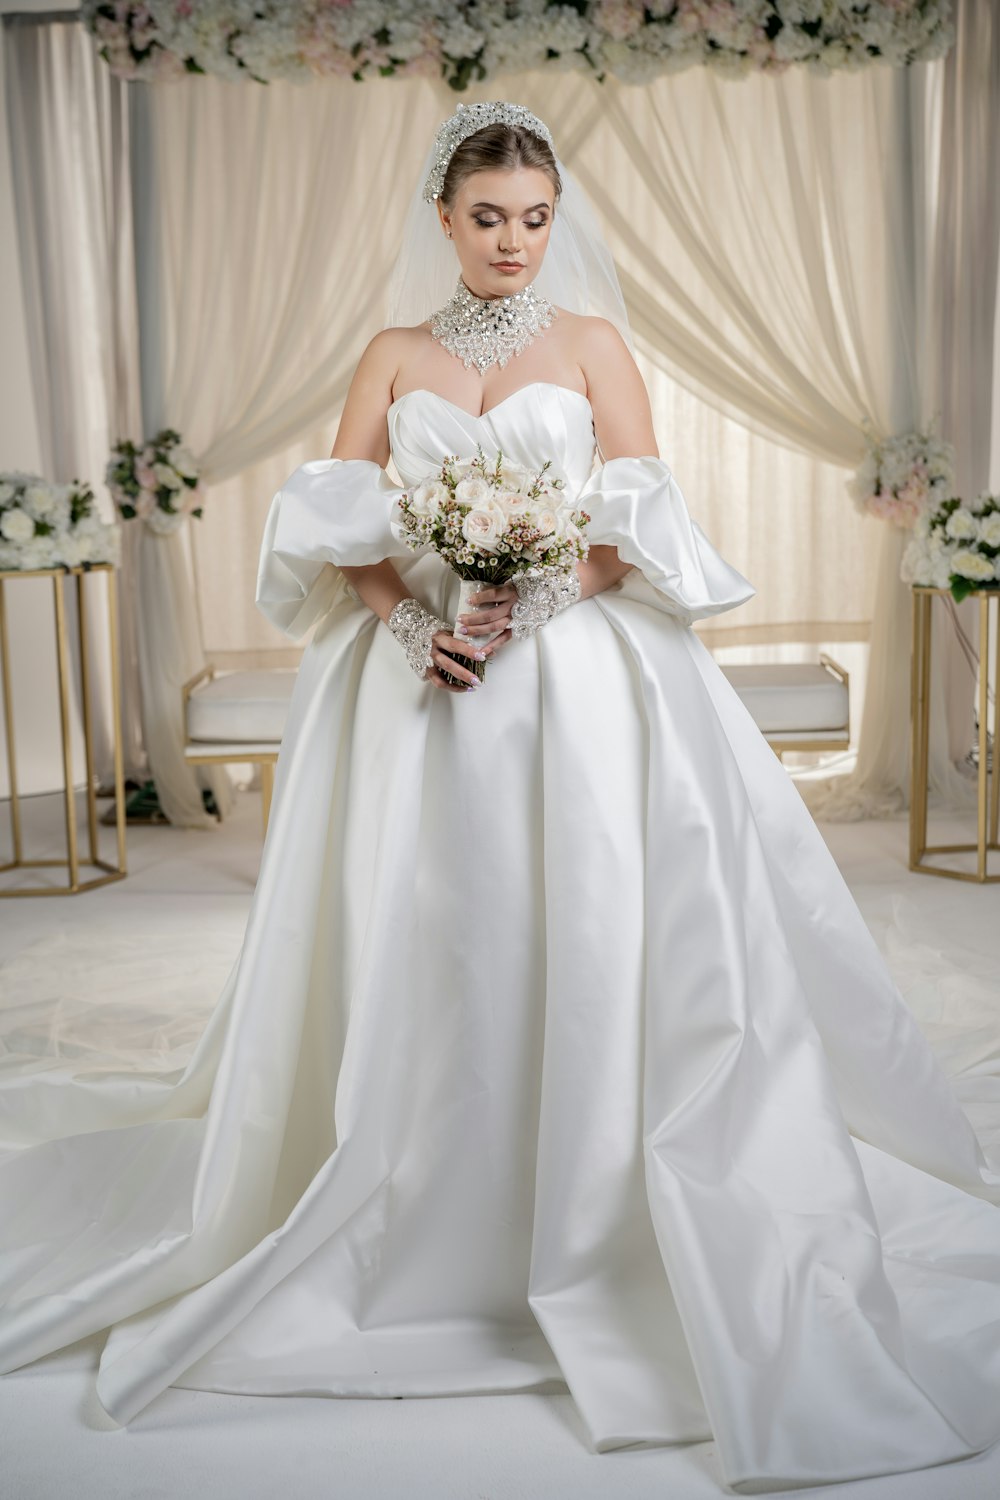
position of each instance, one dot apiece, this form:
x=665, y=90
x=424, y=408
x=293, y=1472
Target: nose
x=507, y=243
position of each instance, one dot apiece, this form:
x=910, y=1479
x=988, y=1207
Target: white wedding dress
x=557, y=1055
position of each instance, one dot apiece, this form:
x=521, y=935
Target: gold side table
x=72, y=861
x=988, y=789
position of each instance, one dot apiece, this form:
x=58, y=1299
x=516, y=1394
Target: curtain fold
x=780, y=240
x=68, y=125
x=794, y=298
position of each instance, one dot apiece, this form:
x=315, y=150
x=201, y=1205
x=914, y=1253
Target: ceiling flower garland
x=468, y=41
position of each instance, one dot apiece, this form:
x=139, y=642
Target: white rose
x=38, y=553
x=473, y=491
x=16, y=525
x=427, y=498
x=38, y=501
x=545, y=521
x=971, y=565
x=941, y=571
x=916, y=565
x=565, y=525
x=167, y=476
x=70, y=550
x=513, y=502
x=6, y=493
x=961, y=525
x=989, y=529
x=184, y=462
x=163, y=522
x=515, y=477
x=484, y=526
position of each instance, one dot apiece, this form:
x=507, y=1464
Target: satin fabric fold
x=649, y=1122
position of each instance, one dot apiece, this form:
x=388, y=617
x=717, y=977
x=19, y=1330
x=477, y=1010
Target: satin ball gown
x=557, y=1054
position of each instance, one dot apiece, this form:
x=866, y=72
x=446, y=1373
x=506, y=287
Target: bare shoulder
x=617, y=392
x=362, y=432
x=388, y=350
x=592, y=339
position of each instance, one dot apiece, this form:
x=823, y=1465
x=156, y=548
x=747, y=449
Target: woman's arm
x=363, y=434
x=623, y=425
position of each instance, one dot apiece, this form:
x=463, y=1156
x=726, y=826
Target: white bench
x=796, y=705
x=238, y=716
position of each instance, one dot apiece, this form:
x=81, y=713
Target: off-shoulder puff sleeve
x=331, y=512
x=636, y=506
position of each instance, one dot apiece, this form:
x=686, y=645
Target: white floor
x=158, y=946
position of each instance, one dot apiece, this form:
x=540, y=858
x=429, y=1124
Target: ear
x=444, y=216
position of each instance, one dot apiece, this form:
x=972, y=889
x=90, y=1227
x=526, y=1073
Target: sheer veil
x=578, y=272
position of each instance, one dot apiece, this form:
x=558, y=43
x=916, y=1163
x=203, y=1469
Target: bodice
x=344, y=511
x=538, y=422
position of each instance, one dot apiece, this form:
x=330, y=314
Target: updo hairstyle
x=498, y=147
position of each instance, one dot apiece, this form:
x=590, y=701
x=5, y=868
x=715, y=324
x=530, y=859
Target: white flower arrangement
x=633, y=40
x=956, y=546
x=903, y=477
x=46, y=525
x=156, y=483
x=491, y=521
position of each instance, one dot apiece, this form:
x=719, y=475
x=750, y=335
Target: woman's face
x=499, y=224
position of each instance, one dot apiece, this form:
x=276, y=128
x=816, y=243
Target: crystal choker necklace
x=490, y=330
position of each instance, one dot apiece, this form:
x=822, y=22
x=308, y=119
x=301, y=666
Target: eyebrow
x=501, y=210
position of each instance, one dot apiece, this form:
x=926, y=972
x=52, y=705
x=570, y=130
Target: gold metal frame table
x=988, y=786
x=72, y=860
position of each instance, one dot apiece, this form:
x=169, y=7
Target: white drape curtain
x=780, y=251
x=263, y=247
x=811, y=591
x=792, y=296
x=779, y=263
x=69, y=156
x=71, y=151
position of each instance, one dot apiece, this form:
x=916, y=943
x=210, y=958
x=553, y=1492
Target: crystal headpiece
x=467, y=119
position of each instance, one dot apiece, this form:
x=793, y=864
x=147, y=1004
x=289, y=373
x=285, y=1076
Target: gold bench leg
x=266, y=790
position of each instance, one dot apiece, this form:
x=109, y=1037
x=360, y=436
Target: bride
x=557, y=1054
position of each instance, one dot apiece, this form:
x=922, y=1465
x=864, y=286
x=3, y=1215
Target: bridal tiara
x=467, y=119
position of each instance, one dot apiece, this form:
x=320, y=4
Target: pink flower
x=147, y=479
x=619, y=18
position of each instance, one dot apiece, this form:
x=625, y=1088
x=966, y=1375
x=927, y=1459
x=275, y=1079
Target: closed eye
x=493, y=223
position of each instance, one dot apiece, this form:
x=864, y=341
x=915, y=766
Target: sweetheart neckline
x=481, y=416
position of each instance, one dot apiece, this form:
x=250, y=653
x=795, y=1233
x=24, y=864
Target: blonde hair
x=498, y=147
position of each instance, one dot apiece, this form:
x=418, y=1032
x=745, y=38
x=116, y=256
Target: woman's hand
x=443, y=642
x=493, y=605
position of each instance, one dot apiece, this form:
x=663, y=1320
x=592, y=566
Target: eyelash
x=492, y=223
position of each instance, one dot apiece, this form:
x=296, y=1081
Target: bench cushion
x=241, y=706
x=791, y=697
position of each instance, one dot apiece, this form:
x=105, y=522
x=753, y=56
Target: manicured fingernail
x=461, y=630
x=480, y=656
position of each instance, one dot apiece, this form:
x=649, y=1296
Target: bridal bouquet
x=46, y=525
x=492, y=520
x=158, y=482
x=956, y=545
x=902, y=477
